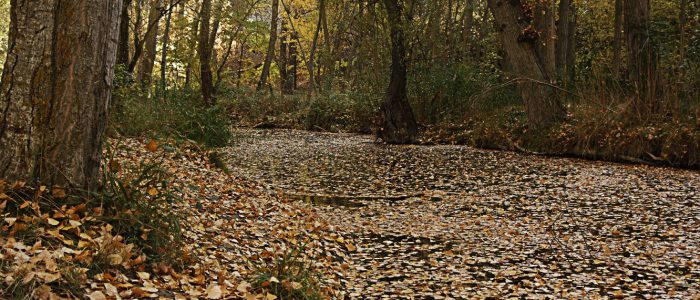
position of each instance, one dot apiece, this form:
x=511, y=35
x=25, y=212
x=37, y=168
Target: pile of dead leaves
x=234, y=235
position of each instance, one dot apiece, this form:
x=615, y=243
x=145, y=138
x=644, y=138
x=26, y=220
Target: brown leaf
x=152, y=146
x=58, y=193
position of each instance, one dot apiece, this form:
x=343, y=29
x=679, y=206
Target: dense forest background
x=622, y=74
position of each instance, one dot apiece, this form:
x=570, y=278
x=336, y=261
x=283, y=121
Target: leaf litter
x=484, y=224
x=229, y=225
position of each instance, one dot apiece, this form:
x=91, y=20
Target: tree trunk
x=164, y=55
x=283, y=58
x=123, y=46
x=192, y=48
x=617, y=42
x=204, y=50
x=294, y=60
x=520, y=43
x=544, y=24
x=641, y=57
x=312, y=51
x=570, y=67
x=563, y=38
x=467, y=26
x=398, y=124
x=56, y=90
x=683, y=20
x=147, y=61
x=270, y=46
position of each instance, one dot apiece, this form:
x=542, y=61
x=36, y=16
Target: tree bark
x=123, y=46
x=398, y=124
x=467, y=26
x=520, y=43
x=617, y=41
x=286, y=83
x=148, y=60
x=204, y=50
x=570, y=68
x=544, y=24
x=270, y=46
x=563, y=38
x=683, y=20
x=164, y=55
x=56, y=90
x=641, y=57
x=192, y=48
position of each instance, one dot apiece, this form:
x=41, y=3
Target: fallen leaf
x=152, y=146
x=214, y=292
x=243, y=286
x=97, y=295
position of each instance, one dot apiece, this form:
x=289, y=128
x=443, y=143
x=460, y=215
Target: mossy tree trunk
x=56, y=90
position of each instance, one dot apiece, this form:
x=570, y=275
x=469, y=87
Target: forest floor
x=440, y=222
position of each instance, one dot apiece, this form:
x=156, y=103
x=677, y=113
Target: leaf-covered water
x=451, y=221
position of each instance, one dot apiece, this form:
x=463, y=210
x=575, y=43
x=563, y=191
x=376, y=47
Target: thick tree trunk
x=544, y=24
x=617, y=41
x=398, y=124
x=520, y=44
x=563, y=38
x=641, y=57
x=56, y=89
x=123, y=46
x=148, y=60
x=204, y=50
x=270, y=46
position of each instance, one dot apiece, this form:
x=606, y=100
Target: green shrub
x=180, y=115
x=440, y=93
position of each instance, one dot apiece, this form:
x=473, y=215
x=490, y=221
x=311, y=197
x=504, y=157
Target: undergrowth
x=180, y=114
x=53, y=239
x=286, y=274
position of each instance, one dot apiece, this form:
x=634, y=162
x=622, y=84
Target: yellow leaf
x=52, y=222
x=270, y=297
x=153, y=191
x=351, y=247
x=152, y=146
